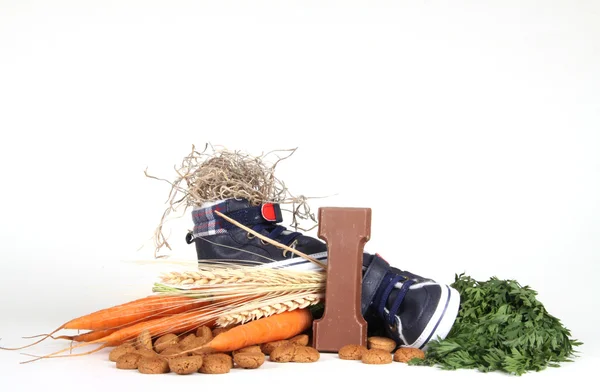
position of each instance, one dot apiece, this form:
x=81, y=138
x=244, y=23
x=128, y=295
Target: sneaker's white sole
x=442, y=320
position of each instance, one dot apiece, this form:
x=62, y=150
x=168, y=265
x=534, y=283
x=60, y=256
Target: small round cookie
x=204, y=334
x=144, y=340
x=146, y=353
x=267, y=348
x=216, y=364
x=154, y=365
x=165, y=341
x=172, y=352
x=188, y=340
x=192, y=346
x=304, y=354
x=377, y=357
x=219, y=330
x=300, y=340
x=405, y=354
x=381, y=343
x=226, y=357
x=185, y=365
x=283, y=352
x=249, y=349
x=352, y=352
x=249, y=360
x=120, y=350
x=128, y=361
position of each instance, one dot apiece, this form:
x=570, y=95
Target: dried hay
x=216, y=173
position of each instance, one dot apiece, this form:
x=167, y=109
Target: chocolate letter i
x=346, y=230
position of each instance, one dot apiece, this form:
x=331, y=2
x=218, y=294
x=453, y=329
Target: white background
x=471, y=128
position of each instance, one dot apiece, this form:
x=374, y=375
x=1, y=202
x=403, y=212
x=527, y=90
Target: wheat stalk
x=266, y=308
x=246, y=293
x=217, y=276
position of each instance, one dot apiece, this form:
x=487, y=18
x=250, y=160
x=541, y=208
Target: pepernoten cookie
x=249, y=360
x=381, y=343
x=146, y=353
x=219, y=330
x=153, y=365
x=249, y=349
x=352, y=352
x=166, y=341
x=188, y=341
x=204, y=335
x=283, y=353
x=117, y=352
x=267, y=348
x=405, y=354
x=186, y=365
x=300, y=340
x=192, y=345
x=377, y=357
x=128, y=361
x=173, y=352
x=144, y=340
x=216, y=364
x=304, y=354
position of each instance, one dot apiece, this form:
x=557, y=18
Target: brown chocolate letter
x=346, y=230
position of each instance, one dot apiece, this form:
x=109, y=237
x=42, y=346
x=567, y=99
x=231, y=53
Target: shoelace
x=276, y=233
x=385, y=289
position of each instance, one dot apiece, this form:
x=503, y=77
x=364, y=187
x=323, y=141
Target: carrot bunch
x=176, y=314
x=241, y=293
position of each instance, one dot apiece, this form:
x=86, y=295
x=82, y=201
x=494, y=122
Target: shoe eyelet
x=264, y=242
x=250, y=236
x=284, y=253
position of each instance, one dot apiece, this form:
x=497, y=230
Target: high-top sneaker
x=217, y=239
x=411, y=309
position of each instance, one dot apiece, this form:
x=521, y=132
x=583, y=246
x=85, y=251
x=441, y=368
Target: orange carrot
x=141, y=309
x=277, y=327
x=88, y=336
x=177, y=323
x=130, y=313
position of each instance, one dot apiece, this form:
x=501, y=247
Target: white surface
x=470, y=128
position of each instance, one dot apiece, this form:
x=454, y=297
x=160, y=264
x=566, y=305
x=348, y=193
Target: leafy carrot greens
x=501, y=326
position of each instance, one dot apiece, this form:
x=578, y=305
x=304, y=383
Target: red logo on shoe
x=268, y=212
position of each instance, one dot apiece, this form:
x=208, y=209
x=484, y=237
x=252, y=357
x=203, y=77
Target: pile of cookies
x=379, y=351
x=182, y=354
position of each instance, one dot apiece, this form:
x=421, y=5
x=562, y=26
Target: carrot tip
x=32, y=355
x=20, y=348
x=46, y=335
x=36, y=358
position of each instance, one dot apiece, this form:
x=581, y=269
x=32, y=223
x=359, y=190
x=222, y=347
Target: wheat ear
x=239, y=276
x=259, y=309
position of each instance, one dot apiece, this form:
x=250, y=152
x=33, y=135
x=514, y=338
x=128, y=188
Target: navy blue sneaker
x=410, y=309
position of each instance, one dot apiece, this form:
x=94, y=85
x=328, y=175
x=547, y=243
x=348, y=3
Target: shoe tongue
x=392, y=298
x=409, y=309
x=394, y=293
